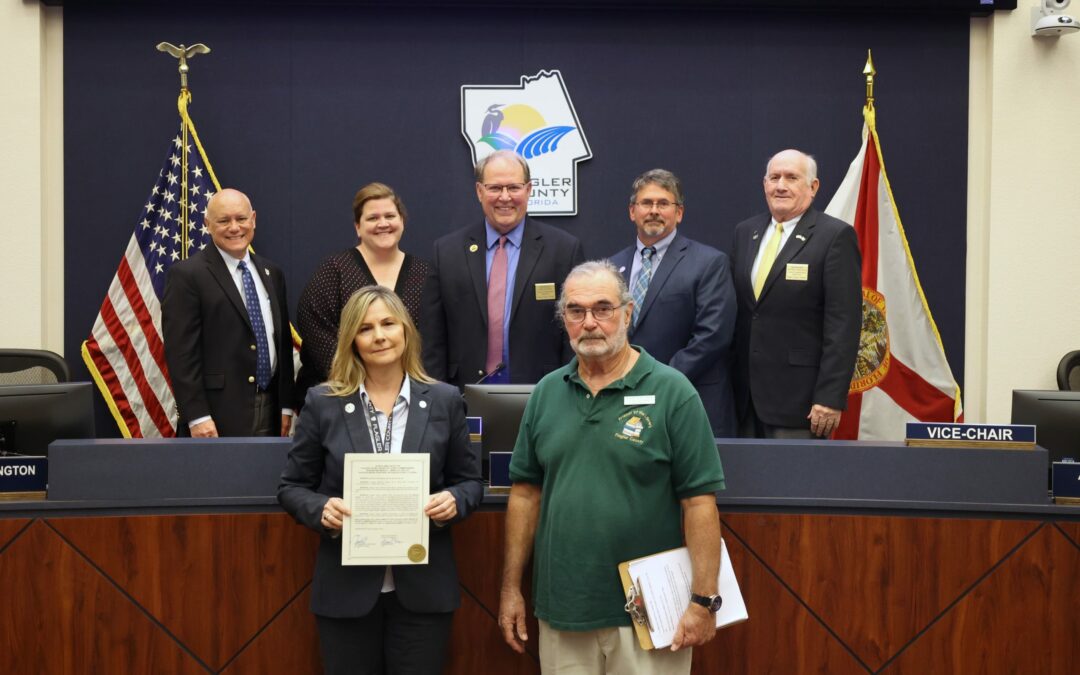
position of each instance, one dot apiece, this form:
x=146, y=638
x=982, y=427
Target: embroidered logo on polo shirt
x=633, y=423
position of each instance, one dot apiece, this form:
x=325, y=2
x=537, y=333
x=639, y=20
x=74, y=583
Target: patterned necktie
x=768, y=257
x=262, y=353
x=641, y=284
x=496, y=307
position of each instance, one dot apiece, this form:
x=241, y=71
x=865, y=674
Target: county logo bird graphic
x=521, y=128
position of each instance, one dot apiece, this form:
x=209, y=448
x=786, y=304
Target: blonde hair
x=347, y=371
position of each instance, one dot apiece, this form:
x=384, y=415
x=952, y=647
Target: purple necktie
x=496, y=306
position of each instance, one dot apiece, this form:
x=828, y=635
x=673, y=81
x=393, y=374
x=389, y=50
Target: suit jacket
x=796, y=344
x=210, y=344
x=455, y=346
x=314, y=473
x=688, y=321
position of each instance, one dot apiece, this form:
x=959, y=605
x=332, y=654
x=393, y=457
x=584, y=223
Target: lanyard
x=373, y=418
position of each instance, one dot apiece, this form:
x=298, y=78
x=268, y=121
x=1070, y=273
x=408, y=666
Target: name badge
x=545, y=291
x=647, y=399
x=797, y=272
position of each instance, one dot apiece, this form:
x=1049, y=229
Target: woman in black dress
x=379, y=219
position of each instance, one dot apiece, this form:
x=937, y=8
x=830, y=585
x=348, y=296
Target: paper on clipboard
x=661, y=587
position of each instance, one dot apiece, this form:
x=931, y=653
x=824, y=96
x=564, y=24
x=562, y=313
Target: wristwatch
x=709, y=602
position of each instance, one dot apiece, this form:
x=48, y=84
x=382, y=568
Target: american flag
x=125, y=354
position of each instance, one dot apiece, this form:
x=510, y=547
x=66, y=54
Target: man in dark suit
x=684, y=301
x=225, y=321
x=798, y=283
x=492, y=314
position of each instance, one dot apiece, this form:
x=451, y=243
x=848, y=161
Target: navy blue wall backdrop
x=300, y=106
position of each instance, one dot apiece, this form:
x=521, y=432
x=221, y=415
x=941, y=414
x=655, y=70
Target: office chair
x=1068, y=374
x=32, y=366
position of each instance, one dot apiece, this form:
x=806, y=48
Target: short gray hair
x=592, y=268
x=508, y=155
x=811, y=165
x=661, y=178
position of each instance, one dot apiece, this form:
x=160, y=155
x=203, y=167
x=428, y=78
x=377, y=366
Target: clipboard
x=659, y=625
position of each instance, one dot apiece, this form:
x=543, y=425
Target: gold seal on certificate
x=417, y=553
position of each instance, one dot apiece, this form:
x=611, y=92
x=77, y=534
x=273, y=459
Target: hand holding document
x=658, y=593
x=387, y=494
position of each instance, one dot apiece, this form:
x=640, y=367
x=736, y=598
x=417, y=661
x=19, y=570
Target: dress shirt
x=789, y=227
x=661, y=248
x=513, y=253
x=397, y=436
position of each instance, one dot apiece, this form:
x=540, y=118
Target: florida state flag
x=901, y=374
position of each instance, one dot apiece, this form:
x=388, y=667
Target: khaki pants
x=606, y=651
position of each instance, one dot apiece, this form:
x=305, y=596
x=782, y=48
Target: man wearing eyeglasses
x=684, y=301
x=614, y=460
x=491, y=316
x=798, y=283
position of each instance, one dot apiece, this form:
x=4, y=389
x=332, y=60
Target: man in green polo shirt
x=615, y=460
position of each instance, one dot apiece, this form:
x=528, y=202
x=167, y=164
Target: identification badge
x=545, y=291
x=647, y=399
x=797, y=272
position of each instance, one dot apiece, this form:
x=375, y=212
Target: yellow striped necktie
x=768, y=257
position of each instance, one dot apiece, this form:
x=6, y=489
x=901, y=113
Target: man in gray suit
x=684, y=300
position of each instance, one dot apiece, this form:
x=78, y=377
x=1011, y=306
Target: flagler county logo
x=537, y=120
x=872, y=361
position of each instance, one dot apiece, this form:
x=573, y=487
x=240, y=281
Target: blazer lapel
x=268, y=282
x=355, y=421
x=220, y=272
x=532, y=245
x=675, y=253
x=476, y=262
x=419, y=409
x=799, y=236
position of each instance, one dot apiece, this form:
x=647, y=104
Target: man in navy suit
x=685, y=315
x=798, y=282
x=492, y=315
x=225, y=323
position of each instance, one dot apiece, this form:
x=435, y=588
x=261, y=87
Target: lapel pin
x=266, y=272
x=350, y=408
x=474, y=248
x=423, y=404
x=756, y=235
x=622, y=269
x=800, y=237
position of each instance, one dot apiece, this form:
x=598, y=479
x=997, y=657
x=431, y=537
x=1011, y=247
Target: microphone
x=498, y=367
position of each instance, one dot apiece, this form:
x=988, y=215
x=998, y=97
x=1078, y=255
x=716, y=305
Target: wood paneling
x=477, y=646
x=59, y=615
x=835, y=595
x=1019, y=620
x=780, y=637
x=478, y=549
x=876, y=581
x=9, y=529
x=188, y=570
x=288, y=645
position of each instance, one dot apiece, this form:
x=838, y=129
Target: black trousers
x=751, y=426
x=390, y=640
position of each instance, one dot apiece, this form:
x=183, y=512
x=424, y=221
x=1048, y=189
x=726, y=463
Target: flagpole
x=183, y=53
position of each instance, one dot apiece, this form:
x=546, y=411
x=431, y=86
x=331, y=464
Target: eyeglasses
x=514, y=189
x=661, y=205
x=575, y=314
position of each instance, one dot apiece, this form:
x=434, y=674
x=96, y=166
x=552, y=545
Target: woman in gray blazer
x=378, y=398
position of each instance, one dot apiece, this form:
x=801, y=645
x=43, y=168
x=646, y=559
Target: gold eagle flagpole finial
x=183, y=53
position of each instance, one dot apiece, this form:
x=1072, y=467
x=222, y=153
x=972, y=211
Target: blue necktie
x=641, y=284
x=262, y=354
